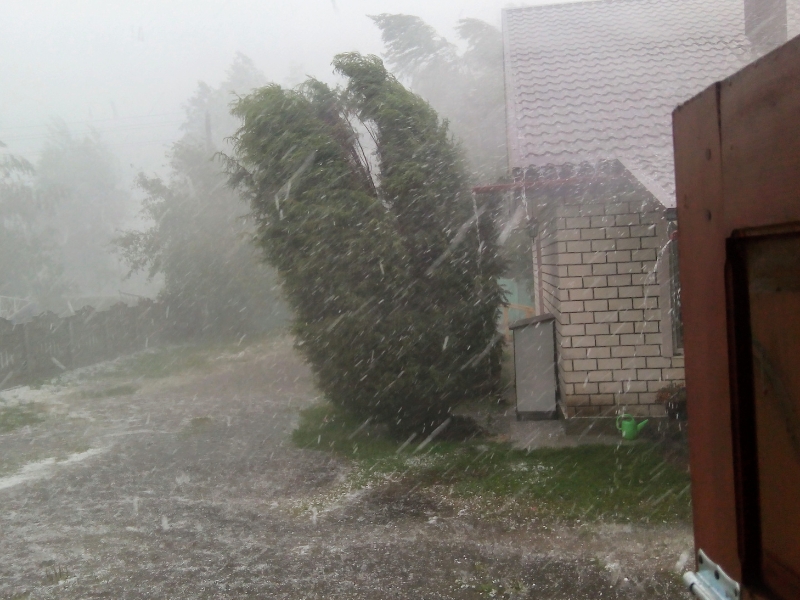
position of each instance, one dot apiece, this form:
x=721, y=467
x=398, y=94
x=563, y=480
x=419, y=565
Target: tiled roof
x=596, y=80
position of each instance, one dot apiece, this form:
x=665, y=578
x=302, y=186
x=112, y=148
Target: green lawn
x=627, y=483
x=167, y=360
x=12, y=417
x=125, y=389
x=164, y=361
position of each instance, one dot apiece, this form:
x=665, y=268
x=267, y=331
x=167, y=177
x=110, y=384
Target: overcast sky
x=126, y=66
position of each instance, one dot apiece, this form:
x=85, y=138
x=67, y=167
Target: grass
x=125, y=389
x=163, y=362
x=196, y=426
x=12, y=417
x=626, y=483
x=171, y=360
x=55, y=574
x=75, y=447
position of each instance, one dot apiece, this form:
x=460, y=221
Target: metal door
x=535, y=367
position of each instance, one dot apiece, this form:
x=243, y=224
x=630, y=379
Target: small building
x=590, y=89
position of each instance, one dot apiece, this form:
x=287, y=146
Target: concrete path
x=528, y=435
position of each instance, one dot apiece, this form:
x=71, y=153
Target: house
x=590, y=88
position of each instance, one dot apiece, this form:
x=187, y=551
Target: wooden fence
x=49, y=344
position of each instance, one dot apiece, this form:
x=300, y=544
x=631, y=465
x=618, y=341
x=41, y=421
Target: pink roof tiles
x=598, y=80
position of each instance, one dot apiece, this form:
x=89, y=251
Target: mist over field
x=126, y=69
x=94, y=96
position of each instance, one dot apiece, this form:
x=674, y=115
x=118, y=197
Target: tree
x=388, y=262
x=199, y=238
x=464, y=87
x=81, y=185
x=28, y=264
x=209, y=120
x=200, y=243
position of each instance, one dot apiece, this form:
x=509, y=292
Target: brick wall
x=609, y=292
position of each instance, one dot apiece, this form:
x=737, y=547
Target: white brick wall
x=600, y=281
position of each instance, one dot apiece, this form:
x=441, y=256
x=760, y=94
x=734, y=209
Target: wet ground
x=191, y=488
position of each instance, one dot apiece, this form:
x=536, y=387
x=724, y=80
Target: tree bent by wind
x=388, y=261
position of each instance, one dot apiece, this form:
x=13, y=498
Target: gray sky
x=126, y=67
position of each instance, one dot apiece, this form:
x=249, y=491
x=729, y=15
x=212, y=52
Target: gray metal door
x=535, y=367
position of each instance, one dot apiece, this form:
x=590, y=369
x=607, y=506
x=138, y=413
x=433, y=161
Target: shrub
x=673, y=397
x=392, y=275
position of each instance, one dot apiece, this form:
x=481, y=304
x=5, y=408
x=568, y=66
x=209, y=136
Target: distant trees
x=29, y=265
x=200, y=242
x=467, y=88
x=58, y=219
x=80, y=182
x=363, y=206
x=464, y=87
x=209, y=121
x=198, y=235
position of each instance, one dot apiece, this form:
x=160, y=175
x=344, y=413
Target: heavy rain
x=400, y=299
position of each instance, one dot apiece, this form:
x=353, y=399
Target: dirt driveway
x=191, y=488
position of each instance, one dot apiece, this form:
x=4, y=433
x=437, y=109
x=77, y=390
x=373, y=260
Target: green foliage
x=609, y=483
x=29, y=267
x=464, y=87
x=57, y=221
x=196, y=426
x=208, y=118
x=80, y=184
x=517, y=250
x=199, y=238
x=392, y=274
x=124, y=389
x=200, y=242
x=518, y=256
x=55, y=574
x=165, y=361
x=12, y=417
x=324, y=427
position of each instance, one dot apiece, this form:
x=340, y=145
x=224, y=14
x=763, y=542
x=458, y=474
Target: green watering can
x=629, y=427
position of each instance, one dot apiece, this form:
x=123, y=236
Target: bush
x=673, y=397
x=392, y=275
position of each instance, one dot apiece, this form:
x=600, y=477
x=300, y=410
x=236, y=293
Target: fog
x=373, y=299
x=126, y=68
x=123, y=74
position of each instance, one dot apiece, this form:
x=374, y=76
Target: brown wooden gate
x=737, y=164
